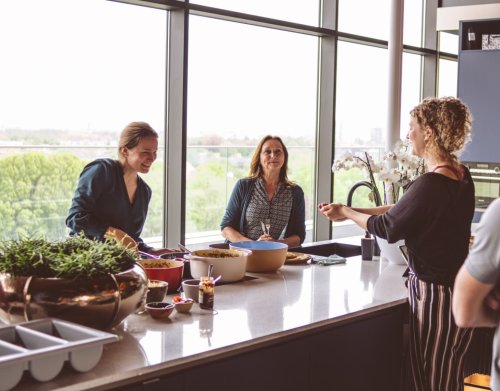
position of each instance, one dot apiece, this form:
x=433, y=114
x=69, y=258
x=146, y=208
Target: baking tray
x=43, y=346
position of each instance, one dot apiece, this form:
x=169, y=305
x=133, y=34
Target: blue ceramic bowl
x=266, y=256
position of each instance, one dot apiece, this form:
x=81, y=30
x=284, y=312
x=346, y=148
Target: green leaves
x=73, y=258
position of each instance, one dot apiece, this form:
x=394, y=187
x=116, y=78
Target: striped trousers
x=437, y=346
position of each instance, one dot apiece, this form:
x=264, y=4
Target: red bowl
x=169, y=270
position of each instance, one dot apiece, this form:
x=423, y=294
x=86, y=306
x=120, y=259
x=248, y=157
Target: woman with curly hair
x=266, y=194
x=434, y=218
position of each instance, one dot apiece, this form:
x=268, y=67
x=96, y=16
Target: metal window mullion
x=325, y=140
x=175, y=134
x=429, y=68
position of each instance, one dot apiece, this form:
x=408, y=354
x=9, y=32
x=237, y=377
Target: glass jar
x=206, y=293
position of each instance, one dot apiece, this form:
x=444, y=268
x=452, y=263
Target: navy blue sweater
x=240, y=198
x=101, y=201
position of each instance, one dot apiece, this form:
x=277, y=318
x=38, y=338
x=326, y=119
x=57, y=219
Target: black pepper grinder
x=367, y=247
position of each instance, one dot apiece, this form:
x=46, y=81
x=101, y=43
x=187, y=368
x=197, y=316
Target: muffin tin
x=42, y=346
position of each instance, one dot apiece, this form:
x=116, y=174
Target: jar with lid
x=206, y=293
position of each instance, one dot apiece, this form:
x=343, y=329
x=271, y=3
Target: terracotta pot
x=98, y=302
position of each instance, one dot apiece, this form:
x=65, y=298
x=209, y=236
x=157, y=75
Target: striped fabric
x=437, y=346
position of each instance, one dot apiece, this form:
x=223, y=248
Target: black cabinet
x=479, y=87
x=364, y=353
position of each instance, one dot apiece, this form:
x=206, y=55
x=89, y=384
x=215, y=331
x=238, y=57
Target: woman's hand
x=332, y=211
x=266, y=238
x=121, y=237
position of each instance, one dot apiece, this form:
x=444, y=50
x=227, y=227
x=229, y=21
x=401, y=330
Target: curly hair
x=450, y=120
x=256, y=168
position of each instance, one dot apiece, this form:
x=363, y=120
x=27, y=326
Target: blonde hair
x=132, y=134
x=450, y=120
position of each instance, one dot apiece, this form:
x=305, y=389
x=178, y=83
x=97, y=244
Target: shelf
x=480, y=35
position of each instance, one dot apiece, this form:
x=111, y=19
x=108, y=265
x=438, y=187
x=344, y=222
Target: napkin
x=327, y=261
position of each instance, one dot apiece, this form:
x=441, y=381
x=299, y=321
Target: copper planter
x=99, y=303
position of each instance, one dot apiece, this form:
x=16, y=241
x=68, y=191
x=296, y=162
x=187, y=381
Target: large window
x=365, y=17
x=410, y=89
x=297, y=11
x=372, y=19
x=361, y=111
x=448, y=76
x=245, y=82
x=75, y=72
x=69, y=84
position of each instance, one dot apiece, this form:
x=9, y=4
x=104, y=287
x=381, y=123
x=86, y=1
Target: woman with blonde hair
x=266, y=195
x=111, y=200
x=434, y=218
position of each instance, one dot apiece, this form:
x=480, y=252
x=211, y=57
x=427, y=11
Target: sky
x=102, y=65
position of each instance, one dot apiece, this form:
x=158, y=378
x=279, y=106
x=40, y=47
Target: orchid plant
x=395, y=171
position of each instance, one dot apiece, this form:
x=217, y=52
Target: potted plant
x=394, y=172
x=93, y=283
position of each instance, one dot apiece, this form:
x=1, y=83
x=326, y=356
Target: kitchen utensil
x=148, y=255
x=184, y=306
x=265, y=257
x=183, y=248
x=159, y=310
x=42, y=346
x=169, y=270
x=229, y=264
x=267, y=225
x=191, y=288
x=157, y=290
x=263, y=228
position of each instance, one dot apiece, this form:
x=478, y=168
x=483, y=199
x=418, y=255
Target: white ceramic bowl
x=191, y=289
x=229, y=264
x=265, y=257
x=391, y=252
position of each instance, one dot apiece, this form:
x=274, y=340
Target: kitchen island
x=300, y=328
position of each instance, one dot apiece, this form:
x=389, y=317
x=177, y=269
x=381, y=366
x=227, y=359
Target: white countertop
x=257, y=310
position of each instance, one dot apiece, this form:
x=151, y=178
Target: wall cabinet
x=479, y=87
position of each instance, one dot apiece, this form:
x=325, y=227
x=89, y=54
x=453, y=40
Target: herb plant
x=74, y=258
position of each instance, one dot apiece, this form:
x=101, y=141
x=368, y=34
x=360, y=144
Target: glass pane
x=447, y=78
x=365, y=17
x=448, y=42
x=360, y=113
x=413, y=18
x=70, y=83
x=410, y=88
x=245, y=82
x=297, y=11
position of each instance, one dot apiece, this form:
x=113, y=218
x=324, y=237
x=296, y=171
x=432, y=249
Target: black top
x=101, y=201
x=434, y=218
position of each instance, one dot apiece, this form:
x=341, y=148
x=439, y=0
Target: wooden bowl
x=265, y=257
x=159, y=310
x=184, y=306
